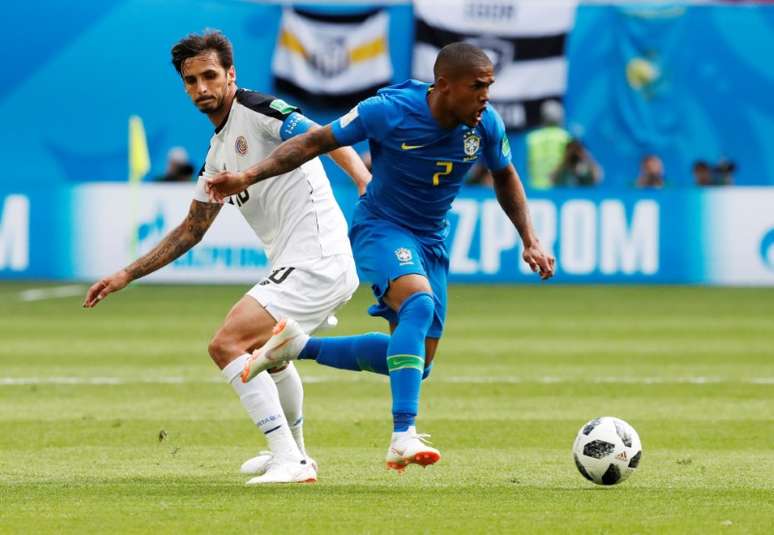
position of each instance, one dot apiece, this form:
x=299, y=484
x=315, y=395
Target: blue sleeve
x=497, y=152
x=364, y=121
x=295, y=124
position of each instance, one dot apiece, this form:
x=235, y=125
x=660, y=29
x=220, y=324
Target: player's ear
x=441, y=84
x=231, y=74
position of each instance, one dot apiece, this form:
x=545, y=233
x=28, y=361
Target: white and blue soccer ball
x=607, y=450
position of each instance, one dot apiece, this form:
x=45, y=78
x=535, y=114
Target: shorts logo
x=277, y=276
x=471, y=143
x=404, y=256
x=241, y=145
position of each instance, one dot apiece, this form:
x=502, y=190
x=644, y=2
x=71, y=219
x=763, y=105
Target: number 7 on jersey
x=447, y=169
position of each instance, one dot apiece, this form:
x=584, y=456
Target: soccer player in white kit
x=302, y=228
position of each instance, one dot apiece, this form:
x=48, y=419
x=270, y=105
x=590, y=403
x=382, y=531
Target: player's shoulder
x=404, y=94
x=264, y=104
x=393, y=105
x=491, y=122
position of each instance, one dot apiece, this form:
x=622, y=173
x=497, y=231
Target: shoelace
x=424, y=438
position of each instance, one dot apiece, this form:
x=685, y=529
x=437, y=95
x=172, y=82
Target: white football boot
x=286, y=471
x=259, y=464
x=411, y=448
x=287, y=341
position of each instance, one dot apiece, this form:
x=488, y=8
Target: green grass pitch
x=85, y=395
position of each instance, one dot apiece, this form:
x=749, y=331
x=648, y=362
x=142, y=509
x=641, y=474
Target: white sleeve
x=268, y=126
x=207, y=170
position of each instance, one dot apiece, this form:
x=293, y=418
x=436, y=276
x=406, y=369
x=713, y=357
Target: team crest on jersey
x=471, y=143
x=241, y=145
x=403, y=255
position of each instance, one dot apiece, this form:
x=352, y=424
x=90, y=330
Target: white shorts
x=308, y=292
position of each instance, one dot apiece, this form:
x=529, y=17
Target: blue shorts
x=385, y=251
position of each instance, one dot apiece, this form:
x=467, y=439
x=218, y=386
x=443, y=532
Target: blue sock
x=406, y=358
x=366, y=352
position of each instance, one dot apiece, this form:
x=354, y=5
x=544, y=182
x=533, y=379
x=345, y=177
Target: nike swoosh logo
x=410, y=147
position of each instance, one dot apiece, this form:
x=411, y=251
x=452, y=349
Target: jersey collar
x=223, y=123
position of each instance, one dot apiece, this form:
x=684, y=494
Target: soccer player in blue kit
x=423, y=139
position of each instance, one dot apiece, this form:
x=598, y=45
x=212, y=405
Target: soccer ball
x=607, y=450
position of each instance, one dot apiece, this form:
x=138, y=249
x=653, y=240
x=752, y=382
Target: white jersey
x=295, y=215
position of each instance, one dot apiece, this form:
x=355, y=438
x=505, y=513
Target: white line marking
x=14, y=381
x=56, y=292
x=762, y=381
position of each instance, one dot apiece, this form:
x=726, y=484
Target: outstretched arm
x=288, y=156
x=178, y=241
x=513, y=200
x=352, y=164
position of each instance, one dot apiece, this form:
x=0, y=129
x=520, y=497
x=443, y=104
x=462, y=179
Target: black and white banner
x=524, y=38
x=332, y=60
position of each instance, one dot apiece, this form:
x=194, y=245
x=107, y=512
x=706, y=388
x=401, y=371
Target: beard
x=211, y=105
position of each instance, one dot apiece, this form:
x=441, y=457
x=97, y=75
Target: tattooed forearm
x=293, y=153
x=177, y=242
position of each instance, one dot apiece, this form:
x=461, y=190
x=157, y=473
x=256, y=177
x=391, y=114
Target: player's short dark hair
x=459, y=58
x=194, y=44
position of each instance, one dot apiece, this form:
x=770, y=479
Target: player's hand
x=539, y=261
x=102, y=288
x=225, y=183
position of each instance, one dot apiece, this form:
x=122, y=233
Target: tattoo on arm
x=178, y=241
x=293, y=153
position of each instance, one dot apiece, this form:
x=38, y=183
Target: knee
x=221, y=349
x=418, y=308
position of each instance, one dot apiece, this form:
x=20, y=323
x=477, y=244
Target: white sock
x=260, y=399
x=399, y=435
x=291, y=395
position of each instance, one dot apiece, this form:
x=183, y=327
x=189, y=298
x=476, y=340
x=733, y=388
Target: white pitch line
x=15, y=381
x=762, y=381
x=56, y=292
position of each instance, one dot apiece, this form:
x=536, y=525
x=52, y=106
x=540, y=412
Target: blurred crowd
x=556, y=159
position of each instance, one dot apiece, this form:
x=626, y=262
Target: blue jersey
x=418, y=166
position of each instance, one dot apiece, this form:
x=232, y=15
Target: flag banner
x=332, y=60
x=139, y=159
x=524, y=39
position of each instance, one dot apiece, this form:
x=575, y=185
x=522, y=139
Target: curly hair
x=194, y=44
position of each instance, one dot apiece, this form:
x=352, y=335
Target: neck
x=217, y=117
x=440, y=112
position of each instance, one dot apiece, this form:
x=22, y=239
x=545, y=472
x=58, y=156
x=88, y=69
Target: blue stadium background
x=68, y=88
x=72, y=76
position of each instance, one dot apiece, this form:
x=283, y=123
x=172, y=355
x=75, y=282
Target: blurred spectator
x=651, y=172
x=702, y=173
x=179, y=167
x=545, y=145
x=479, y=175
x=724, y=173
x=577, y=168
x=720, y=175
